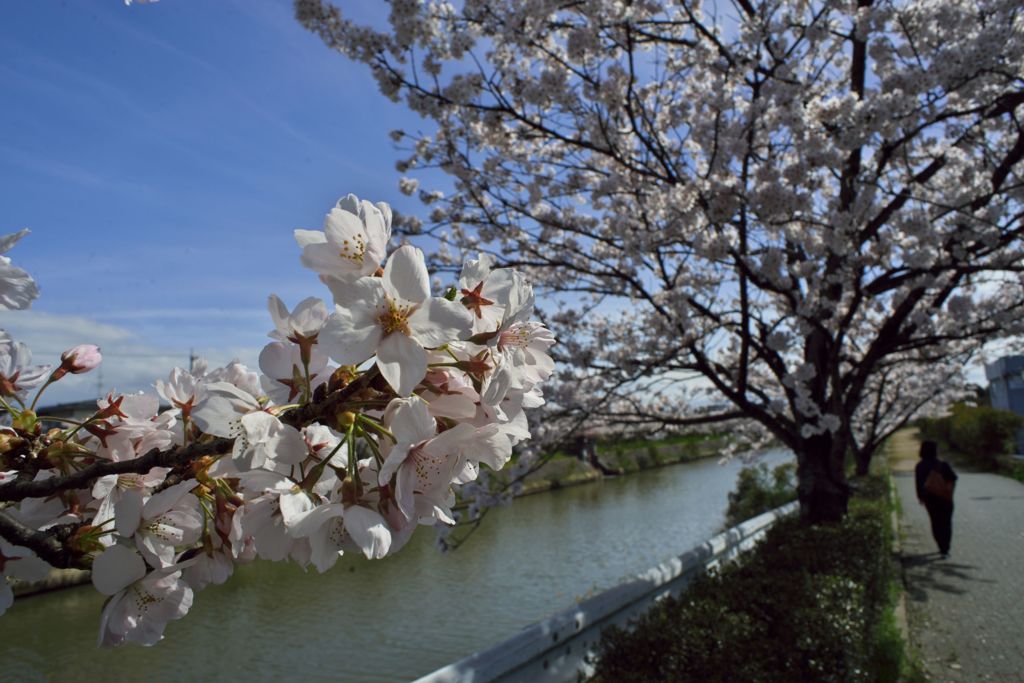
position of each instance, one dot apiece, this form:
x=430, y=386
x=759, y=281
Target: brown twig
x=49, y=545
x=19, y=490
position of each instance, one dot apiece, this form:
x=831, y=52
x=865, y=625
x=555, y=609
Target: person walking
x=935, y=481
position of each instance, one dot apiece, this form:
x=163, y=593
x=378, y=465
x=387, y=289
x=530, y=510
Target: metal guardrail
x=559, y=649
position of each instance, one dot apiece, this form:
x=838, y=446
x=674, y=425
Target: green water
x=395, y=619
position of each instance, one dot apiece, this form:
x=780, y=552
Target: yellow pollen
x=395, y=318
x=353, y=249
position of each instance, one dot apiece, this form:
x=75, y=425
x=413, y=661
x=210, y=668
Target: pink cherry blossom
x=80, y=359
x=422, y=461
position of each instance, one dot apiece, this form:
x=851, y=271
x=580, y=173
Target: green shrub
x=807, y=605
x=759, y=490
x=980, y=432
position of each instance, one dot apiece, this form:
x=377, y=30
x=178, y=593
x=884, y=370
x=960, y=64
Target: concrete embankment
x=58, y=578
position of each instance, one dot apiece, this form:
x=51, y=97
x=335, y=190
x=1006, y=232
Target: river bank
x=622, y=458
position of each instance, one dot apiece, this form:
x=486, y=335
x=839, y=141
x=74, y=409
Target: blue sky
x=162, y=154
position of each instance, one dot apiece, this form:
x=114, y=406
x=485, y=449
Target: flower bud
x=77, y=360
x=345, y=419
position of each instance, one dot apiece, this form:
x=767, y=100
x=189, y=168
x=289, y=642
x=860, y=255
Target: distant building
x=1006, y=388
x=76, y=410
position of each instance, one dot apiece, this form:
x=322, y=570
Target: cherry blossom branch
x=48, y=545
x=324, y=410
x=19, y=490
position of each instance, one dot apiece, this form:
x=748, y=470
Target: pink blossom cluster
x=365, y=416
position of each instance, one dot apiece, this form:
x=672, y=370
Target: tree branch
x=48, y=545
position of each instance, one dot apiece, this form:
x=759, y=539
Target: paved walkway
x=966, y=613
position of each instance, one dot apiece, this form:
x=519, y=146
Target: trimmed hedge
x=806, y=605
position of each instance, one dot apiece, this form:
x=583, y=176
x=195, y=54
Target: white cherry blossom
x=301, y=325
x=396, y=316
x=261, y=487
x=183, y=389
x=17, y=374
x=168, y=520
x=140, y=611
x=284, y=374
x=17, y=288
x=353, y=242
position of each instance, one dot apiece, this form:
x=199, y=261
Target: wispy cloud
x=52, y=330
x=69, y=172
x=131, y=362
x=189, y=313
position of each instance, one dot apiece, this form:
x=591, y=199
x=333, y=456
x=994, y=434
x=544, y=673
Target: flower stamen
x=395, y=318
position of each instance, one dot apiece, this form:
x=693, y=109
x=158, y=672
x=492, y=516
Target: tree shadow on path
x=925, y=572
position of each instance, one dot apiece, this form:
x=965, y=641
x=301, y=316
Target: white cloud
x=49, y=333
x=131, y=361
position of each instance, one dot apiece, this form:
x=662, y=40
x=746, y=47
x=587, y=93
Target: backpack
x=938, y=486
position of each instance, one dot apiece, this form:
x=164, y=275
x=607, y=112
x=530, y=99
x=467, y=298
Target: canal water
x=398, y=618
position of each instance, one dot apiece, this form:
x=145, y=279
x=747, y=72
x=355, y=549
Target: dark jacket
x=924, y=468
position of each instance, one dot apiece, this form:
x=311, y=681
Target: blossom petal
x=406, y=277
x=127, y=512
x=440, y=321
x=391, y=464
x=295, y=507
x=7, y=242
x=278, y=311
x=402, y=362
x=405, y=487
x=369, y=531
x=322, y=258
x=352, y=333
x=116, y=568
x=160, y=503
x=412, y=421
x=221, y=407
x=306, y=237
x=308, y=524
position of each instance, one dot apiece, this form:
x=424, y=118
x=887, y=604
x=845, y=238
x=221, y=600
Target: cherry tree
x=813, y=207
x=365, y=416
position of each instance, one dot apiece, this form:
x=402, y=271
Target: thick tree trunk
x=821, y=488
x=863, y=462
